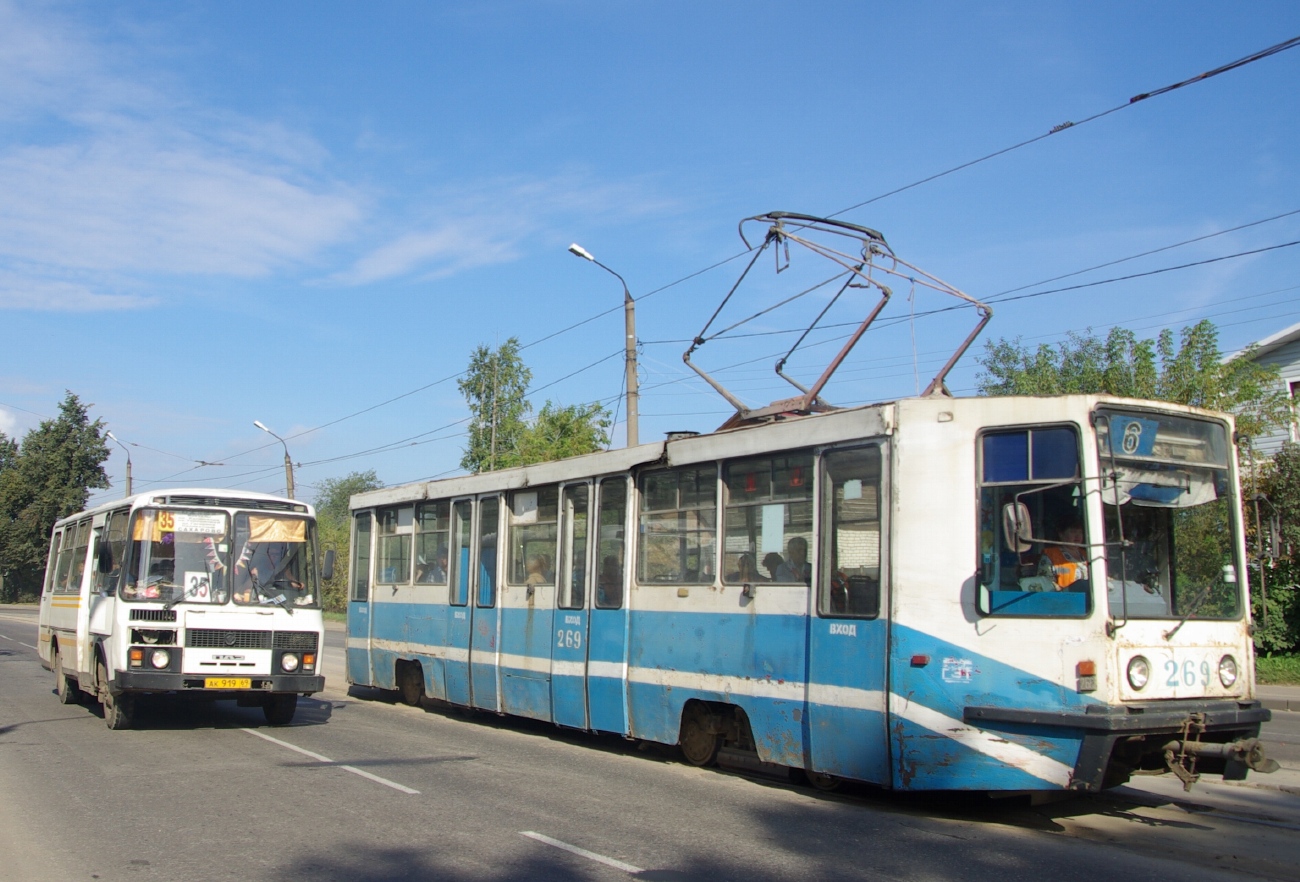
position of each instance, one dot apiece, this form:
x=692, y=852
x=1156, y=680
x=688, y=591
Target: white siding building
x=1281, y=349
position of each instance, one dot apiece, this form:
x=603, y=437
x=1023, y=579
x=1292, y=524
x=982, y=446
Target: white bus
x=190, y=592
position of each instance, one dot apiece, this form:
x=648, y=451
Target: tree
x=334, y=524
x=1273, y=517
x=1191, y=372
x=495, y=385
x=501, y=435
x=49, y=476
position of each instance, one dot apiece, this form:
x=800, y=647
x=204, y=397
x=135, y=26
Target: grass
x=1278, y=670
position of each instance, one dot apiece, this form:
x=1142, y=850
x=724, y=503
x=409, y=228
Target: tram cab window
x=611, y=548
x=1034, y=557
x=768, y=512
x=395, y=528
x=432, y=526
x=848, y=582
x=679, y=525
x=533, y=515
x=361, y=558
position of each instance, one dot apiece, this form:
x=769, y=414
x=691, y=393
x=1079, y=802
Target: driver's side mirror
x=1017, y=531
x=327, y=568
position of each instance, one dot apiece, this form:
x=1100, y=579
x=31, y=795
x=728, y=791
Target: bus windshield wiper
x=1192, y=608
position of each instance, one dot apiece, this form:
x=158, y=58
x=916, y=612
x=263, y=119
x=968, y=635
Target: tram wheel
x=698, y=743
x=119, y=710
x=410, y=681
x=824, y=782
x=63, y=685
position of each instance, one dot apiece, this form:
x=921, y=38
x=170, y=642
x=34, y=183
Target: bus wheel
x=698, y=741
x=279, y=709
x=410, y=680
x=63, y=686
x=119, y=710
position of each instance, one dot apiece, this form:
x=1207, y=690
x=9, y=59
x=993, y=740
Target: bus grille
x=153, y=615
x=215, y=638
x=301, y=640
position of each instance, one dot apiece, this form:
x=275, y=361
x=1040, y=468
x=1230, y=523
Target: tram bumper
x=1116, y=741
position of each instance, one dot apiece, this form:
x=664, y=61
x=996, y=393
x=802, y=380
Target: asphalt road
x=362, y=788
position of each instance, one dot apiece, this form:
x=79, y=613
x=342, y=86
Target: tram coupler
x=1238, y=756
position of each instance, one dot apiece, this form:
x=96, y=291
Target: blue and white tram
x=1000, y=594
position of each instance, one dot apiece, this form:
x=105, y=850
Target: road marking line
x=7, y=638
x=582, y=852
x=28, y=645
x=324, y=759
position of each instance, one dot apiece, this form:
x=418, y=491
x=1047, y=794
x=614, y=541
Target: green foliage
x=334, y=524
x=1273, y=521
x=495, y=385
x=1189, y=372
x=1278, y=670
x=501, y=435
x=49, y=476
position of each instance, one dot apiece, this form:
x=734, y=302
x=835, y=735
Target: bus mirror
x=1016, y=530
x=327, y=570
x=105, y=558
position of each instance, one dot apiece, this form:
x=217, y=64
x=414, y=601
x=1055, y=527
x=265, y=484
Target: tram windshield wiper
x=1192, y=609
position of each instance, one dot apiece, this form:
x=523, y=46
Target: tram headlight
x=289, y=662
x=160, y=658
x=1227, y=670
x=1139, y=672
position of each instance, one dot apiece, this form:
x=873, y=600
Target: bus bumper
x=1176, y=736
x=167, y=681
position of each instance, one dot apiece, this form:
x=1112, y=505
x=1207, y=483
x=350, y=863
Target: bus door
x=527, y=602
x=848, y=631
x=607, y=632
x=359, y=597
x=108, y=547
x=459, y=609
x=568, y=637
x=485, y=622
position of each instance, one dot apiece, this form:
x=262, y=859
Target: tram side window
x=361, y=558
x=432, y=528
x=488, y=528
x=395, y=528
x=679, y=525
x=533, y=516
x=848, y=582
x=1044, y=570
x=611, y=548
x=768, y=526
x=461, y=517
x=110, y=553
x=573, y=548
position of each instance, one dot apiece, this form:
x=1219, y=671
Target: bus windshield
x=1170, y=514
x=192, y=556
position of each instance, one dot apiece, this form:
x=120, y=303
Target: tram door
x=485, y=631
x=848, y=633
x=569, y=640
x=358, y=652
x=607, y=633
x=459, y=608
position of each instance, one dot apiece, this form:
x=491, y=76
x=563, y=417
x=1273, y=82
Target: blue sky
x=310, y=213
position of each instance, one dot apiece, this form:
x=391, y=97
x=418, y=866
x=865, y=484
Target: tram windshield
x=1169, y=516
x=192, y=556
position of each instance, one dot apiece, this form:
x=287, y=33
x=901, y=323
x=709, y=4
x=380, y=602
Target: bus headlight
x=1139, y=672
x=1227, y=670
x=161, y=658
x=289, y=662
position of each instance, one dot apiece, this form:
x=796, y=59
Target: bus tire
x=64, y=687
x=279, y=709
x=698, y=741
x=410, y=680
x=119, y=710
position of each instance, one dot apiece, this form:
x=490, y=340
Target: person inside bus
x=1066, y=563
x=795, y=568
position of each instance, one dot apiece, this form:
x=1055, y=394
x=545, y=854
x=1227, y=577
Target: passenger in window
x=609, y=588
x=772, y=562
x=537, y=570
x=1067, y=563
x=746, y=571
x=795, y=568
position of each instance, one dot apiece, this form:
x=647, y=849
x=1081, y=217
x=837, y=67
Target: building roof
x=1274, y=341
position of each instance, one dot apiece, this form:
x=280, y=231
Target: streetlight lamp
x=128, y=461
x=629, y=346
x=288, y=463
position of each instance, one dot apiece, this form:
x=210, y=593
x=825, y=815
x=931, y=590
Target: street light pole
x=288, y=463
x=128, y=461
x=629, y=344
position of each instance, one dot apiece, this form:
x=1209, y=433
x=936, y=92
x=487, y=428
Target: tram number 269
x=567, y=639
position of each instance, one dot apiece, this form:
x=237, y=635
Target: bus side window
x=52, y=564
x=361, y=558
x=849, y=577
